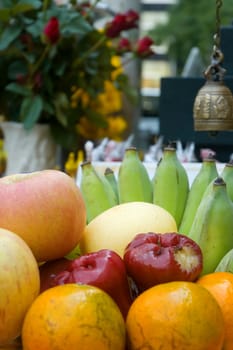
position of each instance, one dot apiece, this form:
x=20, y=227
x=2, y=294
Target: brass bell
x=213, y=105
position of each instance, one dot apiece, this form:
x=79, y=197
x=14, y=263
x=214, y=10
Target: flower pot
x=28, y=150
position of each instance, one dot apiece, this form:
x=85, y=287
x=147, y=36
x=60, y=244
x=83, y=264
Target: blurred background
x=183, y=32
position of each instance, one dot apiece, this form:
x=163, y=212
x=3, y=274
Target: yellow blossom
x=116, y=62
x=88, y=129
x=110, y=101
x=116, y=126
x=79, y=96
x=108, y=104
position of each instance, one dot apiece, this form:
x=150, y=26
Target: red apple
x=153, y=258
x=46, y=209
x=49, y=270
x=19, y=285
x=104, y=269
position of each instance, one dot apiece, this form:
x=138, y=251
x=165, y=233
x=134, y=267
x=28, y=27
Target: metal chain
x=215, y=71
x=218, y=24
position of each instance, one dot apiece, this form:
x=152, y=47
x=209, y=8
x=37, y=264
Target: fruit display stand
x=191, y=168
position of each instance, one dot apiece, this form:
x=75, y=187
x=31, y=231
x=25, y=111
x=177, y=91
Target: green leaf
x=76, y=25
x=18, y=89
x=60, y=70
x=35, y=29
x=48, y=108
x=8, y=36
x=61, y=105
x=24, y=6
x=5, y=15
x=7, y=10
x=96, y=118
x=6, y=3
x=17, y=68
x=31, y=110
x=68, y=139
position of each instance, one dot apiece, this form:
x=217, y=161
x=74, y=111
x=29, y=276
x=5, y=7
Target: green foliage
x=37, y=76
x=191, y=23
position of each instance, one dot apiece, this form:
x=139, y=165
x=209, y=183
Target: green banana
x=226, y=263
x=97, y=192
x=134, y=183
x=206, y=174
x=170, y=184
x=212, y=228
x=111, y=178
x=227, y=175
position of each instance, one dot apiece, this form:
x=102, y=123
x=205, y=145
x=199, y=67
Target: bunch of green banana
x=134, y=183
x=227, y=175
x=212, y=227
x=206, y=174
x=226, y=263
x=97, y=192
x=170, y=184
x=111, y=178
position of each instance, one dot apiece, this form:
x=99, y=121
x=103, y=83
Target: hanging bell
x=213, y=108
x=213, y=105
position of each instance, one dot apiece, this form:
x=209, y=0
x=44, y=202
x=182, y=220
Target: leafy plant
x=55, y=63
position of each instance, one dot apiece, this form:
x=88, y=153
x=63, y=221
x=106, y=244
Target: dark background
x=176, y=107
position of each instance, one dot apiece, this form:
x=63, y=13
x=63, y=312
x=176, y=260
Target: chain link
x=218, y=24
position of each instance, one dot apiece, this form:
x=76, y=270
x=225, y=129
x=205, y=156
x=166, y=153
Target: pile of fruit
x=120, y=262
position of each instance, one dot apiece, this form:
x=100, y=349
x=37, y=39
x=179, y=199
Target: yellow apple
x=46, y=209
x=19, y=284
x=117, y=226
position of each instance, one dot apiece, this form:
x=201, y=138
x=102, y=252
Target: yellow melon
x=117, y=226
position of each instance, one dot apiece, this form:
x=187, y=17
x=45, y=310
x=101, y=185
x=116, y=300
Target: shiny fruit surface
x=74, y=317
x=19, y=284
x=175, y=316
x=49, y=270
x=152, y=258
x=117, y=226
x=46, y=209
x=220, y=285
x=104, y=269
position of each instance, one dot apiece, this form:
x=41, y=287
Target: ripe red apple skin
x=49, y=270
x=46, y=209
x=104, y=269
x=153, y=258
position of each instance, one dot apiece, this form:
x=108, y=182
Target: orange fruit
x=175, y=315
x=220, y=285
x=72, y=317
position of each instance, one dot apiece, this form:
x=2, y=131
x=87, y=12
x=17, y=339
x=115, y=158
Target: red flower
x=131, y=19
x=122, y=21
x=114, y=27
x=124, y=45
x=144, y=46
x=52, y=31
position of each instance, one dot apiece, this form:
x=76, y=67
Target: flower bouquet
x=59, y=68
